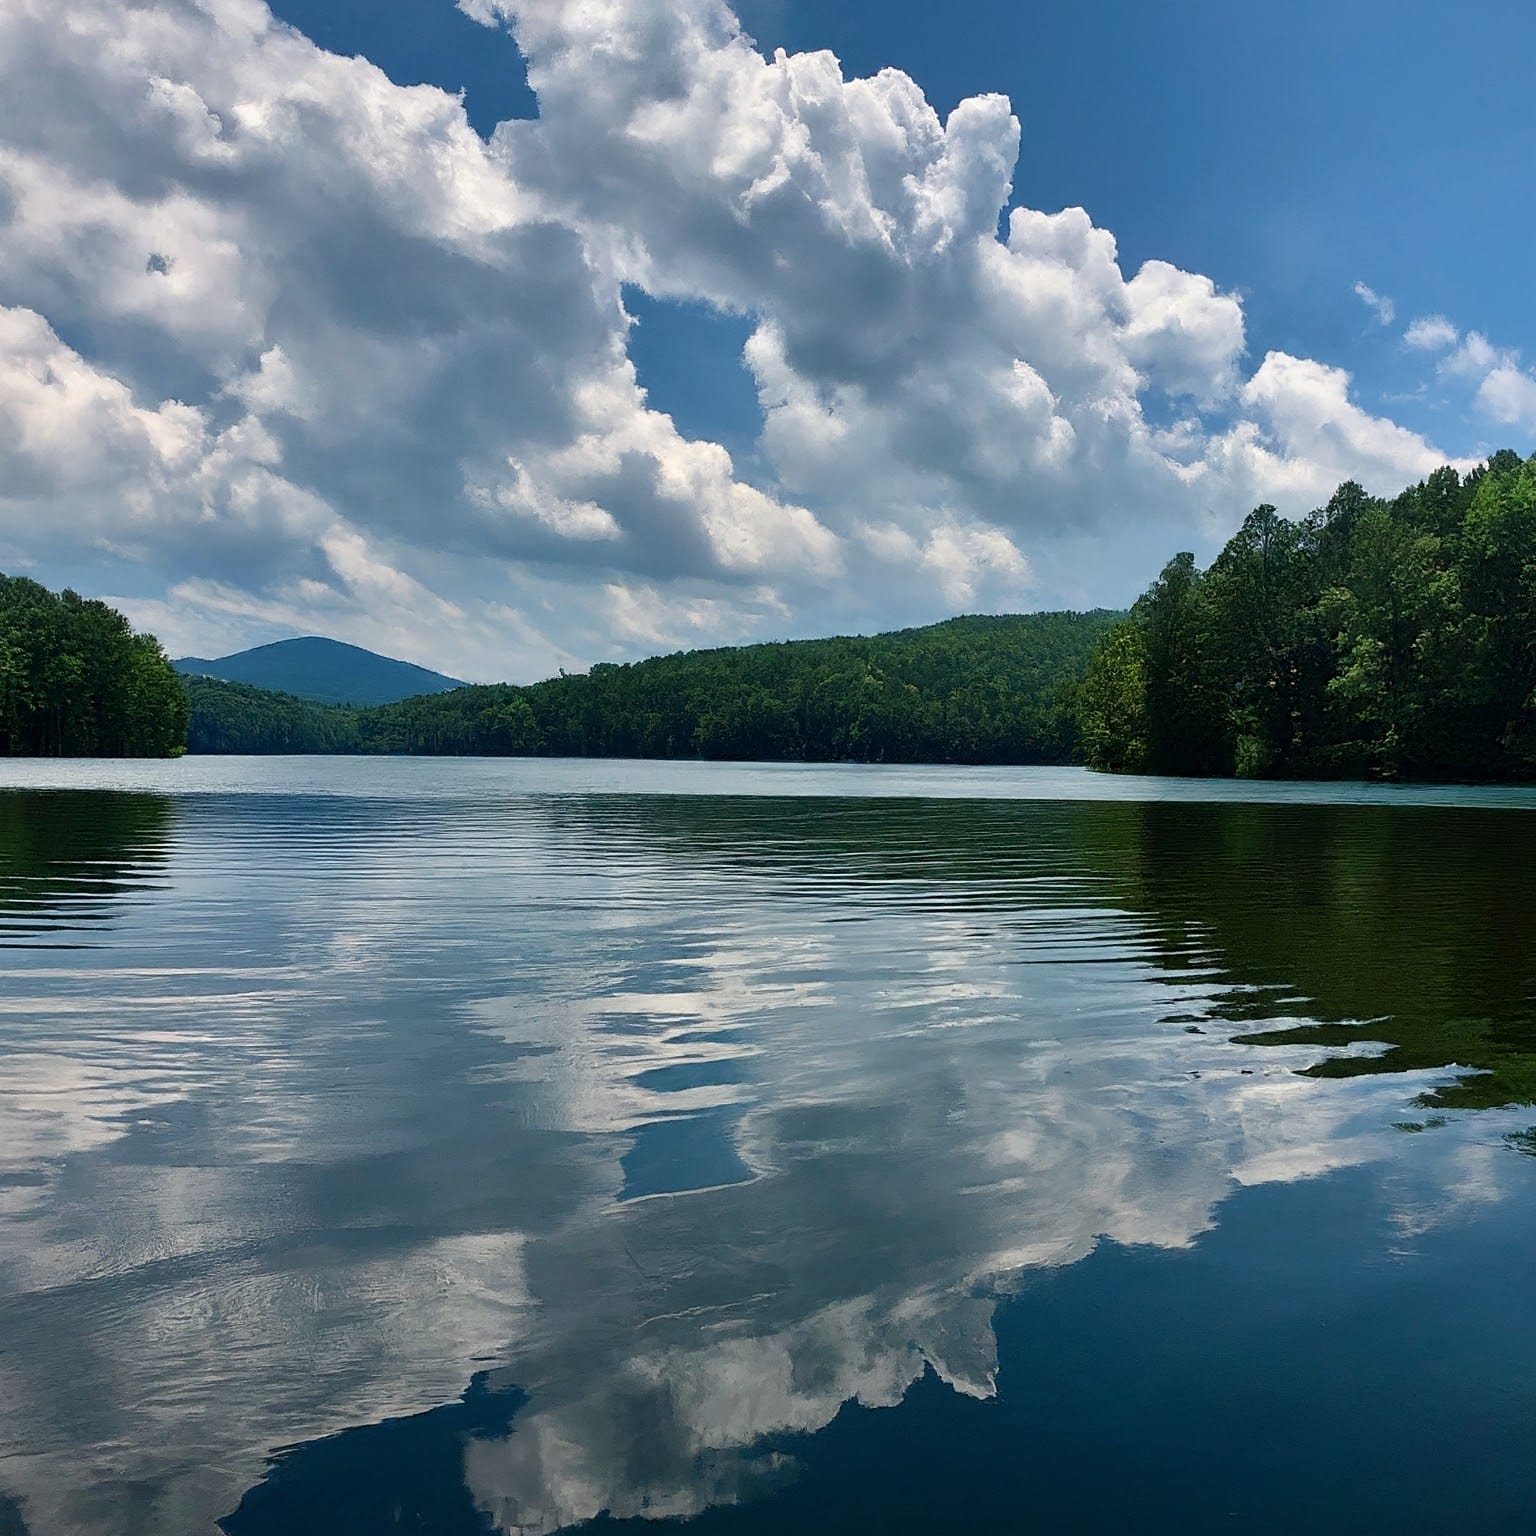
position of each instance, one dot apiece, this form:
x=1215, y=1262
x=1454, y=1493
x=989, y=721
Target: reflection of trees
x=67, y=856
x=1410, y=925
x=970, y=853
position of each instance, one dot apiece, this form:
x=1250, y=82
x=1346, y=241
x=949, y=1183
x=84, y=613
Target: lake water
x=464, y=1146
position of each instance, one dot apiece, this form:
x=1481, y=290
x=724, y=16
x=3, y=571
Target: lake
x=463, y=1146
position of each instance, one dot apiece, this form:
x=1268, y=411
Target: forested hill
x=970, y=690
x=76, y=681
x=328, y=671
x=237, y=718
x=1391, y=638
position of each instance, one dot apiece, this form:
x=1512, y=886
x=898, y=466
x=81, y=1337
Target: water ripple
x=697, y=1117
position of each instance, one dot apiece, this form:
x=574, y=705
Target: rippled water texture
x=467, y=1147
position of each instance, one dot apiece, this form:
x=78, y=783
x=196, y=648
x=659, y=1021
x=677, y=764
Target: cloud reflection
x=360, y=1116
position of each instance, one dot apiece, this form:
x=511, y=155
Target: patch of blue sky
x=424, y=42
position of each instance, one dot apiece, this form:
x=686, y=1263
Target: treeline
x=235, y=717
x=1391, y=638
x=970, y=690
x=1376, y=637
x=76, y=681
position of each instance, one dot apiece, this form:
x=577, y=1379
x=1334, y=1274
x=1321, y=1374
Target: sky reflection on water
x=682, y=1122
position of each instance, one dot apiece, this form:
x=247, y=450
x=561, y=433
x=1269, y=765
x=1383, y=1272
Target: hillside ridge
x=322, y=670
x=976, y=688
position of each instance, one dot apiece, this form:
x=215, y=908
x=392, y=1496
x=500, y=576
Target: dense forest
x=1386, y=638
x=76, y=681
x=235, y=717
x=970, y=690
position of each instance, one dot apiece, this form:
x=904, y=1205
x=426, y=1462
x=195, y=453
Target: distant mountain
x=327, y=671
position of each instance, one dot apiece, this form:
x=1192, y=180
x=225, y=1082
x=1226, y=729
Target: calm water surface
x=421, y=1145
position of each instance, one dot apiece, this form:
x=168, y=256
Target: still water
x=419, y=1145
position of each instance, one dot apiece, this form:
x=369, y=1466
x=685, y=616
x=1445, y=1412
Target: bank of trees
x=235, y=717
x=971, y=690
x=76, y=681
x=1377, y=637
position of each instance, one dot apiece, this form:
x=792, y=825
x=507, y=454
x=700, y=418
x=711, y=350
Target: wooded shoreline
x=1377, y=638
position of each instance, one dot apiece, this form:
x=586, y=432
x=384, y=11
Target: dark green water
x=466, y=1147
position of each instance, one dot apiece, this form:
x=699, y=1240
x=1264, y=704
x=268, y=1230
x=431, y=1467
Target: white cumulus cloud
x=276, y=326
x=1508, y=395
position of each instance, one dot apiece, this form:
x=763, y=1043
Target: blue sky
x=343, y=357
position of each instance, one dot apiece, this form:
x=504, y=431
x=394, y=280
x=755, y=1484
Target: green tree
x=1397, y=618
x=1188, y=729
x=76, y=681
x=1371, y=637
x=1111, y=704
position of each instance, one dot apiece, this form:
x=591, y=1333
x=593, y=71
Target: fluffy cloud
x=1317, y=436
x=1508, y=394
x=398, y=359
x=302, y=349
x=1505, y=391
x=1431, y=333
x=1474, y=358
x=911, y=366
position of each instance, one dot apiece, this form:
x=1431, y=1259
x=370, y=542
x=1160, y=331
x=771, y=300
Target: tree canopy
x=76, y=681
x=970, y=690
x=236, y=717
x=1376, y=637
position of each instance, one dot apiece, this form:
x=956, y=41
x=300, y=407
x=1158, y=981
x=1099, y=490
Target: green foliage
x=1112, y=703
x=234, y=717
x=76, y=681
x=1178, y=621
x=971, y=690
x=1384, y=638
